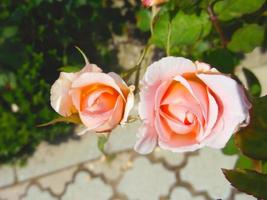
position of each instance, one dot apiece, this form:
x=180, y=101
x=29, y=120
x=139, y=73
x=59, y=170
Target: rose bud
x=102, y=100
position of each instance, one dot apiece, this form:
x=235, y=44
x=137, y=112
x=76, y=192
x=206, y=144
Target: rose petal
x=235, y=108
x=95, y=120
x=94, y=78
x=60, y=99
x=180, y=149
x=147, y=140
x=129, y=105
x=166, y=68
x=90, y=68
x=114, y=117
x=160, y=71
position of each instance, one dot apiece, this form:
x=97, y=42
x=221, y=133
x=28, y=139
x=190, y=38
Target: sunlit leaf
x=247, y=38
x=243, y=162
x=230, y=9
x=230, y=148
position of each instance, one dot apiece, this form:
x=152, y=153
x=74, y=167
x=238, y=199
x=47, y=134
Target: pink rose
x=185, y=106
x=102, y=100
x=149, y=3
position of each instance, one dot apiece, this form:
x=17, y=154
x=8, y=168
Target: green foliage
x=247, y=38
x=101, y=142
x=182, y=29
x=224, y=60
x=161, y=31
x=143, y=18
x=248, y=181
x=187, y=29
x=243, y=162
x=230, y=148
x=19, y=134
x=252, y=140
x=37, y=41
x=231, y=9
x=253, y=83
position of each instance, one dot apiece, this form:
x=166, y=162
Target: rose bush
x=185, y=106
x=101, y=100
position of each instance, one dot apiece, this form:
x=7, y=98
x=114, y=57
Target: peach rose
x=185, y=106
x=102, y=100
x=149, y=3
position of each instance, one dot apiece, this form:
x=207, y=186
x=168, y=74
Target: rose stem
x=217, y=26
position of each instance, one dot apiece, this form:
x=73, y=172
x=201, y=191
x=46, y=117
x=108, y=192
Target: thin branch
x=217, y=26
x=138, y=66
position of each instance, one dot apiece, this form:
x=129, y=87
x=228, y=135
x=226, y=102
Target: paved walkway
x=76, y=170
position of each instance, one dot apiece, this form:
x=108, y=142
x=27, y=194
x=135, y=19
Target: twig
x=217, y=26
x=138, y=66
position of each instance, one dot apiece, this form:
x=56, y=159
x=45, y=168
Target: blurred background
x=37, y=40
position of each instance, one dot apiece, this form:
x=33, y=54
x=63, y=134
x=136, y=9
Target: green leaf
x=230, y=9
x=187, y=29
x=230, y=148
x=252, y=140
x=70, y=69
x=247, y=38
x=183, y=29
x=71, y=119
x=160, y=30
x=9, y=31
x=253, y=83
x=243, y=162
x=143, y=18
x=223, y=59
x=248, y=181
x=102, y=140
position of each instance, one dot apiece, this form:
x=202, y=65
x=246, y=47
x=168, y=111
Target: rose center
x=98, y=98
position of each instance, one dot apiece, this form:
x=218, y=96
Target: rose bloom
x=185, y=106
x=149, y=3
x=101, y=100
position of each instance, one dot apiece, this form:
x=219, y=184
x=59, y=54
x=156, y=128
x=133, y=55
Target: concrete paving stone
x=128, y=53
x=123, y=138
x=204, y=173
x=6, y=175
x=34, y=193
x=146, y=181
x=254, y=59
x=244, y=197
x=111, y=170
x=13, y=192
x=49, y=158
x=173, y=159
x=184, y=194
x=56, y=182
x=87, y=188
